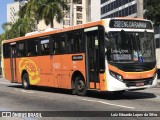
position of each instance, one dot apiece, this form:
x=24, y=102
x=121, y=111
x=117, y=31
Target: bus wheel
x=80, y=86
x=74, y=87
x=25, y=81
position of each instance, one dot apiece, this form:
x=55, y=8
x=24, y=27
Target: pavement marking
x=158, y=96
x=26, y=91
x=109, y=104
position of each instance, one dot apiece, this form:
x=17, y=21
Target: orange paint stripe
x=102, y=82
x=97, y=86
x=91, y=85
x=133, y=75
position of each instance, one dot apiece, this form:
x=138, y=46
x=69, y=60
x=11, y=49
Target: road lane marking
x=158, y=96
x=109, y=104
x=26, y=91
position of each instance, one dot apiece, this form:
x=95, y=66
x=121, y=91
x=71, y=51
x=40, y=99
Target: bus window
x=74, y=42
x=59, y=45
x=32, y=47
x=77, y=42
x=45, y=47
x=6, y=50
x=21, y=49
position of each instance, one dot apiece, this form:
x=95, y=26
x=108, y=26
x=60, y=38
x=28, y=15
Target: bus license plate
x=140, y=84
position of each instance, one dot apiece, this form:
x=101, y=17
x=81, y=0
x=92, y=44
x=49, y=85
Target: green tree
x=18, y=29
x=153, y=11
x=31, y=13
x=48, y=10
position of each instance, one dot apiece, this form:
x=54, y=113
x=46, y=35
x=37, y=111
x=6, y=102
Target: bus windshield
x=131, y=47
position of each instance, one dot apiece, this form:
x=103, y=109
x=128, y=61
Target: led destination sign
x=136, y=24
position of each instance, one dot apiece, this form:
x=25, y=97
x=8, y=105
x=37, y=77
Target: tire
x=80, y=86
x=74, y=92
x=25, y=81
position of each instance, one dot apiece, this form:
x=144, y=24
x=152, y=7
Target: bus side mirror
x=108, y=43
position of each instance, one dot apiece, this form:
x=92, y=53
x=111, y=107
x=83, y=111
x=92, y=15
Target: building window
x=67, y=15
x=67, y=22
x=126, y=11
x=79, y=8
x=79, y=2
x=79, y=22
x=79, y=16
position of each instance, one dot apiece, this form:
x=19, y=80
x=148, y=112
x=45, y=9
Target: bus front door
x=93, y=57
x=13, y=62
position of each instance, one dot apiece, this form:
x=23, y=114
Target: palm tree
x=46, y=10
x=19, y=28
x=49, y=10
x=7, y=28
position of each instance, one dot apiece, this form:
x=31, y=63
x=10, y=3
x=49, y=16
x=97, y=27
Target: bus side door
x=93, y=56
x=44, y=62
x=13, y=62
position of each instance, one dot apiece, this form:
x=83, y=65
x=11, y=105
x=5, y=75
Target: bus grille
x=139, y=82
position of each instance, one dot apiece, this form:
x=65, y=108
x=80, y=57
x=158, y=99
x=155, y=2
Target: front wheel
x=80, y=86
x=25, y=81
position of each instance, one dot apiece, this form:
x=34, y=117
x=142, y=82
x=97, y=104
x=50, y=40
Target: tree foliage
x=48, y=10
x=153, y=11
x=31, y=13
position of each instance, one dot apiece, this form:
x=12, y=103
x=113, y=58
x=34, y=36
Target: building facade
x=12, y=10
x=76, y=14
x=95, y=10
x=122, y=8
x=126, y=8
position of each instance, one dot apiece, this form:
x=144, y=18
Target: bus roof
x=90, y=24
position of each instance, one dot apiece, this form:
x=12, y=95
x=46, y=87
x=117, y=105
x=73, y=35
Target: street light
x=71, y=13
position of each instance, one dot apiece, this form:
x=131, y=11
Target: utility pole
x=139, y=8
x=71, y=13
x=88, y=10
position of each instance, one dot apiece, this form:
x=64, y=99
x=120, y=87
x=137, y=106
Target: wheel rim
x=80, y=85
x=25, y=82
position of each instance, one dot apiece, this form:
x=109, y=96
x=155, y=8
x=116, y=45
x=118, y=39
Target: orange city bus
x=114, y=54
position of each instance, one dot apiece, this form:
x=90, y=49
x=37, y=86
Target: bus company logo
x=6, y=114
x=30, y=66
x=56, y=65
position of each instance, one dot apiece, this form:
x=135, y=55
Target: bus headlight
x=115, y=75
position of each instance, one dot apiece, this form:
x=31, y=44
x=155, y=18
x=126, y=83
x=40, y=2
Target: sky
x=3, y=12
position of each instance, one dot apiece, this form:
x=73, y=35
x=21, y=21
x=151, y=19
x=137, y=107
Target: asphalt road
x=14, y=98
